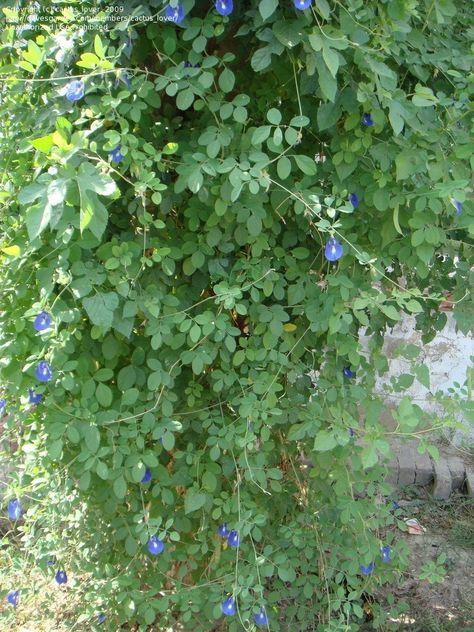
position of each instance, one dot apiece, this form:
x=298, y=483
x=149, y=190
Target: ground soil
x=446, y=606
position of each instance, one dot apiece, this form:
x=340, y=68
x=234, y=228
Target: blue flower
x=224, y=7
x=457, y=205
x=123, y=76
x=13, y=596
x=302, y=5
x=223, y=531
x=351, y=433
x=261, y=618
x=188, y=64
x=34, y=398
x=333, y=250
x=367, y=570
x=354, y=199
x=386, y=552
x=115, y=154
x=42, y=321
x=61, y=577
x=367, y=120
x=155, y=545
x=75, y=90
x=50, y=563
x=43, y=372
x=3, y=404
x=394, y=506
x=101, y=618
x=228, y=606
x=347, y=372
x=175, y=14
x=146, y=477
x=234, y=539
x=14, y=509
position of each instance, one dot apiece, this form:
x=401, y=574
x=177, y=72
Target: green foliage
x=191, y=296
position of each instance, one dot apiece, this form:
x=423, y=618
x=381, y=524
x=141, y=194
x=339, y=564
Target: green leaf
x=100, y=308
x=423, y=97
x=306, y=164
x=327, y=82
x=50, y=194
x=284, y=167
x=395, y=111
x=324, y=441
x=261, y=59
x=331, y=59
x=92, y=437
x=102, y=470
x=226, y=80
x=104, y=395
x=423, y=375
x=185, y=99
x=99, y=47
x=267, y=8
x=88, y=60
x=286, y=573
x=369, y=457
x=261, y=134
x=43, y=144
x=390, y=311
x=274, y=116
x=91, y=183
x=414, y=306
x=120, y=487
x=254, y=225
x=193, y=501
x=209, y=481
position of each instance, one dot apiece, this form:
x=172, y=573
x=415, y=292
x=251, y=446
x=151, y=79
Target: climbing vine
x=202, y=205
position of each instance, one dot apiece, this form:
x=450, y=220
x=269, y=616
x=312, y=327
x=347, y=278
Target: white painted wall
x=447, y=357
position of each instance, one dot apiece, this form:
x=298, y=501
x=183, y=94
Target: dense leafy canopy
x=196, y=214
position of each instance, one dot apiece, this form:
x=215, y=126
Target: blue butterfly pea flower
x=42, y=321
x=228, y=607
x=333, y=250
x=13, y=596
x=347, y=372
x=354, y=199
x=155, y=545
x=367, y=120
x=175, y=14
x=61, y=577
x=386, y=553
x=14, y=509
x=123, y=76
x=367, y=570
x=457, y=205
x=115, y=154
x=101, y=618
x=3, y=405
x=75, y=90
x=43, y=372
x=261, y=618
x=302, y=5
x=223, y=531
x=234, y=539
x=34, y=398
x=146, y=477
x=224, y=7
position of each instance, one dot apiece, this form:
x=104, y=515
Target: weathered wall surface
x=448, y=358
